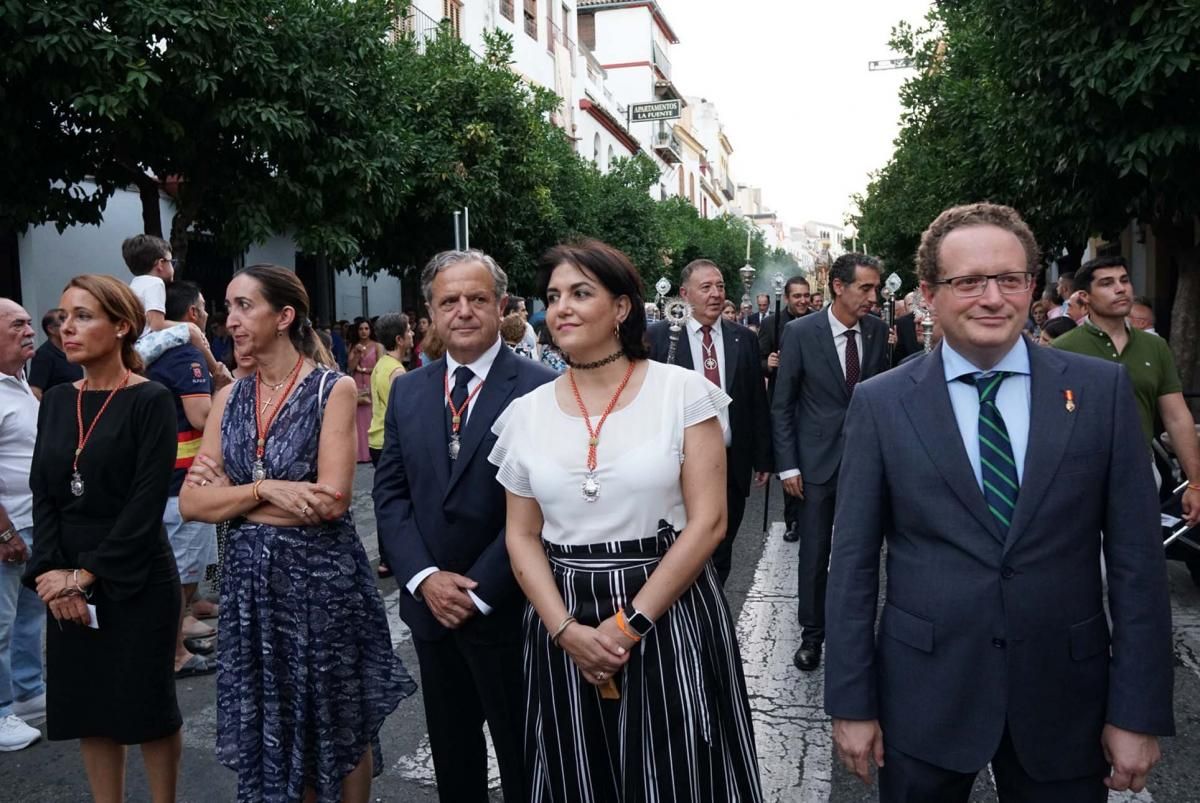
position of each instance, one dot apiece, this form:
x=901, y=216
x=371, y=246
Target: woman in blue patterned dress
x=306, y=673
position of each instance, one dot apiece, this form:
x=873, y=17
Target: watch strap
x=638, y=622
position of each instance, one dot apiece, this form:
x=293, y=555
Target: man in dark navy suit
x=999, y=474
x=821, y=360
x=727, y=355
x=441, y=518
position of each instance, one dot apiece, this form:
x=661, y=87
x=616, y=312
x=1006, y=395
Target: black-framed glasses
x=976, y=284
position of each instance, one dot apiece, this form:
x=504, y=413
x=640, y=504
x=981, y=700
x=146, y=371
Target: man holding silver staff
x=797, y=294
x=727, y=355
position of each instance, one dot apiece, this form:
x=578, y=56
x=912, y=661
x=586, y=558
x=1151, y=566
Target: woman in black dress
x=100, y=477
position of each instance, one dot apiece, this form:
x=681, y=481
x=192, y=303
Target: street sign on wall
x=658, y=110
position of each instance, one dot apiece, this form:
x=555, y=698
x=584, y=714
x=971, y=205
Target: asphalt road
x=792, y=733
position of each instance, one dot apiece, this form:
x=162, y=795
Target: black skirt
x=117, y=681
x=681, y=730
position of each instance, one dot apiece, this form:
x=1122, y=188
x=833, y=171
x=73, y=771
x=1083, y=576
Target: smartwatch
x=638, y=622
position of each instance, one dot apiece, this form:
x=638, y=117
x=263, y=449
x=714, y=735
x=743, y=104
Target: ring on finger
x=304, y=510
x=599, y=676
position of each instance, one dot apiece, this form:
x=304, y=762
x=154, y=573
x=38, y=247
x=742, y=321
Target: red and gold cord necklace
x=81, y=441
x=260, y=446
x=590, y=485
x=456, y=414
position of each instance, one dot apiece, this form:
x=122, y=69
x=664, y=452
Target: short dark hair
x=50, y=318
x=513, y=304
x=612, y=269
x=141, y=251
x=695, y=265
x=389, y=327
x=1056, y=327
x=180, y=296
x=961, y=217
x=762, y=295
x=787, y=288
x=1087, y=271
x=845, y=266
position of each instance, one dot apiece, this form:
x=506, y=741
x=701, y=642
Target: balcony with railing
x=421, y=28
x=660, y=60
x=667, y=145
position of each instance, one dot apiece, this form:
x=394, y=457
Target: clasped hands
x=66, y=600
x=1130, y=755
x=599, y=651
x=312, y=502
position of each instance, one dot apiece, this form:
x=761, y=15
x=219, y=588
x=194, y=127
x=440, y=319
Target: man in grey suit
x=999, y=474
x=822, y=357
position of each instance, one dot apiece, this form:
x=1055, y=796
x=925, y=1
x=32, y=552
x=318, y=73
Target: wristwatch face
x=640, y=622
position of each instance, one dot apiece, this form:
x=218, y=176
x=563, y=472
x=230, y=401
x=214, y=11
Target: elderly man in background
x=22, y=614
x=50, y=366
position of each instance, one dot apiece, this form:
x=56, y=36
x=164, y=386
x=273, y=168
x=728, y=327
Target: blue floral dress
x=306, y=672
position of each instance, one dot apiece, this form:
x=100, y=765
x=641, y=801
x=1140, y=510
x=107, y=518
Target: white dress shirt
x=839, y=339
x=18, y=433
x=1013, y=399
x=480, y=369
x=696, y=342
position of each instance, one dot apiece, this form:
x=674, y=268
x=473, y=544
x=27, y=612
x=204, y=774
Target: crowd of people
x=558, y=509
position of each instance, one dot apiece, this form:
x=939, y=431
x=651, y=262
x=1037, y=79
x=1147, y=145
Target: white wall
x=279, y=250
x=383, y=295
x=49, y=260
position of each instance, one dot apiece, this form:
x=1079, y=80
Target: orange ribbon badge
x=1070, y=396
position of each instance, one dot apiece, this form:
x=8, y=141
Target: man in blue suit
x=1000, y=474
x=441, y=518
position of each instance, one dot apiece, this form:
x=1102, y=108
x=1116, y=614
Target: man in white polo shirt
x=22, y=688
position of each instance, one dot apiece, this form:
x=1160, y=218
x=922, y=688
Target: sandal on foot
x=200, y=646
x=196, y=665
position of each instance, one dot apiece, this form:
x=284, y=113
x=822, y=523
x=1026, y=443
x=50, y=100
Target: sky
x=808, y=122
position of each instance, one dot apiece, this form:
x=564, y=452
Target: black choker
x=587, y=366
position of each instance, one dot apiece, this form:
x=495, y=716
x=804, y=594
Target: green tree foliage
x=1081, y=115
x=316, y=119
x=260, y=116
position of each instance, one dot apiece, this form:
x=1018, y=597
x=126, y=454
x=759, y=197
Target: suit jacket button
x=999, y=643
x=1007, y=573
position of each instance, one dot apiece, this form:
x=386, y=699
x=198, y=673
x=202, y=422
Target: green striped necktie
x=998, y=468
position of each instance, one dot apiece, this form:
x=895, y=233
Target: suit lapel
x=1050, y=426
x=497, y=390
x=827, y=347
x=928, y=408
x=873, y=343
x=683, y=349
x=432, y=408
x=730, y=337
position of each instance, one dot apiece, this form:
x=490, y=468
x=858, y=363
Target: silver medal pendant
x=710, y=363
x=590, y=488
x=454, y=447
x=260, y=471
x=76, y=484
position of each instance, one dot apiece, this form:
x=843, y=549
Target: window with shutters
x=506, y=8
x=531, y=18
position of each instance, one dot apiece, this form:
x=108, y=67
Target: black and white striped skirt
x=681, y=729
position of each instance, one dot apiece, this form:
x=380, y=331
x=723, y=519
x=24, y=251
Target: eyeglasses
x=174, y=262
x=976, y=284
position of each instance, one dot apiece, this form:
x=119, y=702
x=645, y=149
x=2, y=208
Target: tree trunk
x=187, y=208
x=148, y=189
x=1185, y=312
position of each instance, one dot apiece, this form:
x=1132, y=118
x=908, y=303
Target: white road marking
x=791, y=730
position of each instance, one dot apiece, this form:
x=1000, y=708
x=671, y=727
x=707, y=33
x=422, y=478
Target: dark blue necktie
x=997, y=465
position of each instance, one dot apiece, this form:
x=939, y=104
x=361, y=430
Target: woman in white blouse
x=615, y=475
